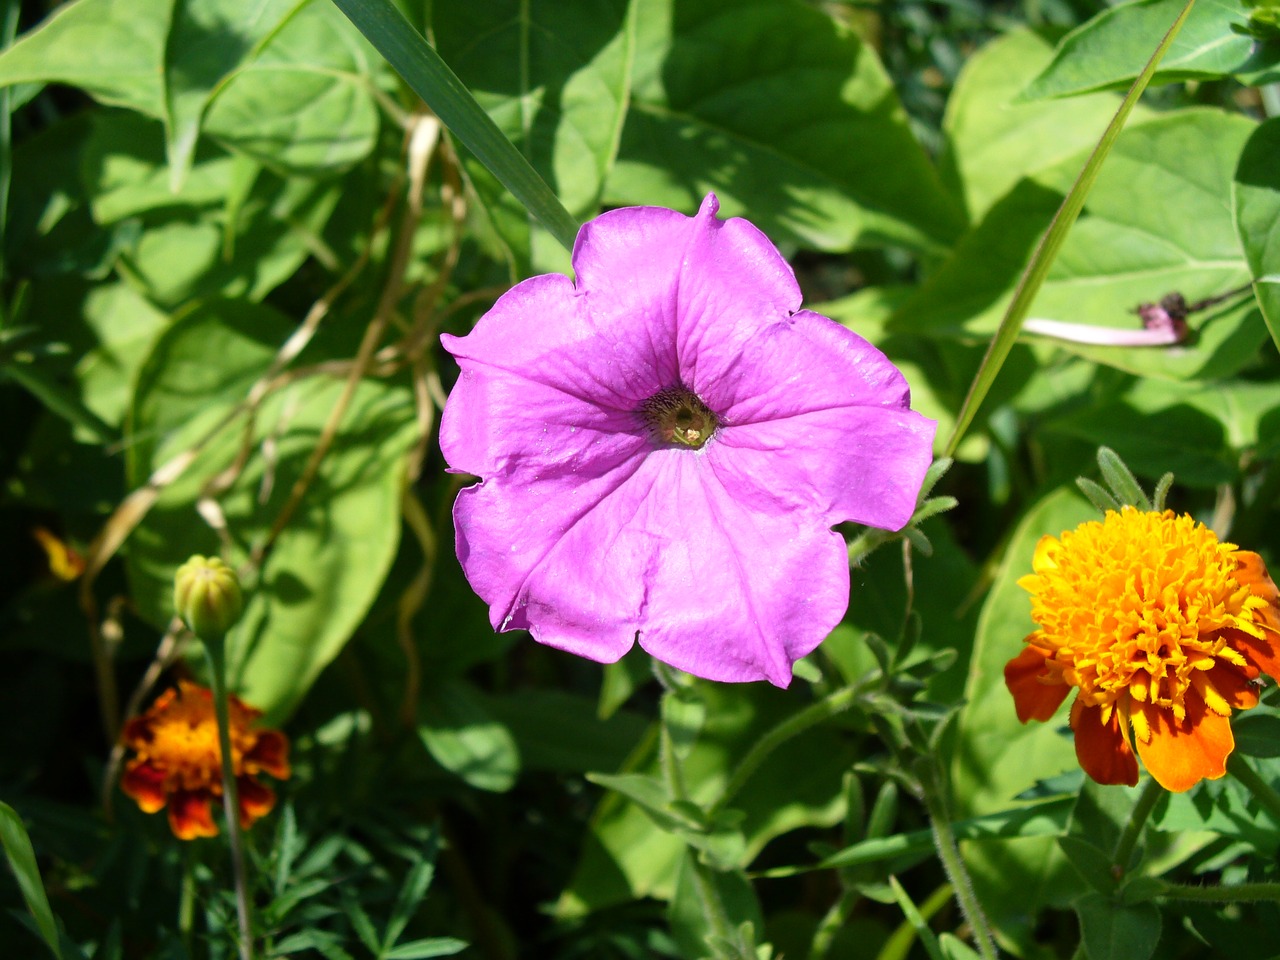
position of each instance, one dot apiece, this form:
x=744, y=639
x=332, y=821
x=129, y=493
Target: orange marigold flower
x=178, y=762
x=1162, y=629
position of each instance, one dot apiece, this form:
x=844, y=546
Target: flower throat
x=676, y=415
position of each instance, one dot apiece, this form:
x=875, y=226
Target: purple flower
x=665, y=445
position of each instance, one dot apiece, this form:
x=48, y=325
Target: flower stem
x=215, y=650
x=1137, y=820
x=187, y=901
x=833, y=703
x=944, y=840
x=1262, y=791
x=703, y=881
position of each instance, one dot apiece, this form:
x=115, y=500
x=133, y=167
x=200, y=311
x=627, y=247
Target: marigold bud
x=206, y=595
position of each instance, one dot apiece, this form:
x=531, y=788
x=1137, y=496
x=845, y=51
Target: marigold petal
x=1233, y=685
x=1181, y=754
x=190, y=815
x=144, y=784
x=256, y=800
x=1046, y=552
x=1252, y=572
x=1261, y=652
x=1102, y=748
x=270, y=755
x=1034, y=699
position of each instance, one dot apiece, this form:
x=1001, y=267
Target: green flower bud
x=206, y=595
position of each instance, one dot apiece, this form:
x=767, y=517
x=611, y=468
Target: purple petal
x=737, y=593
x=819, y=420
x=658, y=548
x=863, y=464
x=703, y=287
x=538, y=391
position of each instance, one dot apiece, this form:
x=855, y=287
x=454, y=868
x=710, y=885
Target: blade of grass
x=429, y=77
x=1033, y=277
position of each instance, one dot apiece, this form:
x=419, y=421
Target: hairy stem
x=944, y=841
x=216, y=652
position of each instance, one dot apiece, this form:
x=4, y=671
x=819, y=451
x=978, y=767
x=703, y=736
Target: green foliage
x=232, y=232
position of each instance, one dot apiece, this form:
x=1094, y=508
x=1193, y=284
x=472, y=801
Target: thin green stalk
x=1262, y=791
x=1142, y=808
x=793, y=726
x=8, y=30
x=409, y=54
x=1047, y=251
x=703, y=881
x=216, y=652
x=187, y=899
x=944, y=840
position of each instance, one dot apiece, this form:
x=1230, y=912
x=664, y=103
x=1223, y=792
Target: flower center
x=677, y=415
x=1139, y=604
x=184, y=741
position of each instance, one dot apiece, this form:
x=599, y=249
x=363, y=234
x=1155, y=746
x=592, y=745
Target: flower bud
x=206, y=595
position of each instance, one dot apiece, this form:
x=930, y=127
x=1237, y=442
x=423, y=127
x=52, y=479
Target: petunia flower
x=1161, y=629
x=178, y=762
x=665, y=445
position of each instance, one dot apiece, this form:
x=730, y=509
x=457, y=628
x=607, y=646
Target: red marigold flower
x=178, y=762
x=1162, y=629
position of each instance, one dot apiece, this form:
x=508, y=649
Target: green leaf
x=327, y=566
x=557, y=86
x=286, y=85
x=412, y=890
x=690, y=926
x=1003, y=758
x=1201, y=432
x=303, y=103
x=420, y=949
x=562, y=731
x=1256, y=196
x=429, y=77
x=1115, y=931
x=206, y=42
x=22, y=860
x=111, y=50
x=126, y=326
x=1047, y=250
x=787, y=116
x=953, y=948
x=1257, y=735
x=1157, y=221
x=465, y=739
x=1111, y=49
x=993, y=140
x=627, y=856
